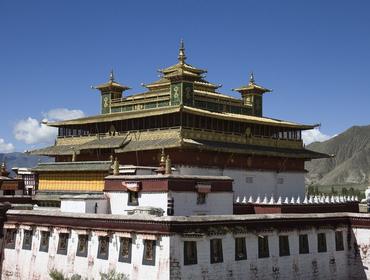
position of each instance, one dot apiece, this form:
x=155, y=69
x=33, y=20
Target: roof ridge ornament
x=251, y=79
x=111, y=76
x=182, y=56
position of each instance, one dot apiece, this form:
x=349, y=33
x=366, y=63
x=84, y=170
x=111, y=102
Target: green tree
x=344, y=191
x=113, y=275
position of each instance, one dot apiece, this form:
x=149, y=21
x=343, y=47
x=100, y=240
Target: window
x=303, y=244
x=44, y=242
x=339, y=245
x=280, y=181
x=216, y=251
x=103, y=247
x=82, y=245
x=9, y=192
x=249, y=180
x=125, y=250
x=10, y=236
x=27, y=239
x=201, y=198
x=321, y=242
x=190, y=252
x=133, y=198
x=284, y=245
x=240, y=249
x=63, y=243
x=149, y=252
x=263, y=247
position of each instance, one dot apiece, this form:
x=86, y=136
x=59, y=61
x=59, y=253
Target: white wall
x=85, y=206
x=217, y=203
x=264, y=182
x=33, y=264
x=360, y=260
x=329, y=265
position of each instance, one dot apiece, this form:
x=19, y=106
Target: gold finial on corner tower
x=168, y=169
x=74, y=156
x=111, y=76
x=251, y=79
x=182, y=56
x=116, y=167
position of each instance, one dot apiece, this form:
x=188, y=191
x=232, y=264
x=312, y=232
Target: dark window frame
x=147, y=244
x=339, y=242
x=263, y=247
x=240, y=248
x=304, y=246
x=44, y=241
x=27, y=245
x=284, y=248
x=63, y=243
x=321, y=243
x=103, y=240
x=10, y=238
x=83, y=239
x=201, y=198
x=132, y=198
x=216, y=252
x=121, y=257
x=190, y=246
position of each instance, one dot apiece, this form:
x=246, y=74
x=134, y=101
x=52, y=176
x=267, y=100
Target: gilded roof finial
x=168, y=168
x=251, y=78
x=111, y=76
x=182, y=56
x=162, y=162
x=116, y=167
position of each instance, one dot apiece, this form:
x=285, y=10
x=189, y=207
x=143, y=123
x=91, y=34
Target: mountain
x=22, y=160
x=351, y=163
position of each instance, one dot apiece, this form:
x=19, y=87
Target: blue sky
x=315, y=55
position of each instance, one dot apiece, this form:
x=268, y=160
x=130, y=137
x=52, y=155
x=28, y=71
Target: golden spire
x=168, y=168
x=251, y=78
x=162, y=162
x=111, y=76
x=182, y=56
x=116, y=167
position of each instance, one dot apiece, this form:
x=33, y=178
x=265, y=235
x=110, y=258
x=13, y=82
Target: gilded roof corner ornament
x=111, y=76
x=182, y=56
x=251, y=79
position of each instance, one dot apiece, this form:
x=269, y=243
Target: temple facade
x=204, y=131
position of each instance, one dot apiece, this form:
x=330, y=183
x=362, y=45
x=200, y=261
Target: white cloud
x=6, y=147
x=31, y=131
x=314, y=135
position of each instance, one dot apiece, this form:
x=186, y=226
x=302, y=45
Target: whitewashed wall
x=33, y=264
x=329, y=265
x=359, y=260
x=85, y=206
x=264, y=182
x=217, y=203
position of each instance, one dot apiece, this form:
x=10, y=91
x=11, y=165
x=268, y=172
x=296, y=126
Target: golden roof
x=112, y=83
x=252, y=86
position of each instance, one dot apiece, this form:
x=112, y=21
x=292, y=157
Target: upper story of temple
x=181, y=110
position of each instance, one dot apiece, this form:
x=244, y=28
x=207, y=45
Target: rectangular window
x=149, y=252
x=190, y=252
x=216, y=251
x=339, y=244
x=133, y=198
x=201, y=198
x=263, y=247
x=44, y=242
x=10, y=236
x=125, y=250
x=280, y=181
x=249, y=180
x=82, y=245
x=103, y=247
x=284, y=245
x=303, y=244
x=321, y=242
x=240, y=249
x=27, y=239
x=63, y=243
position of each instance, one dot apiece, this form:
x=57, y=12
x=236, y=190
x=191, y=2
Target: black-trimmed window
x=339, y=244
x=82, y=245
x=125, y=250
x=63, y=243
x=216, y=250
x=240, y=249
x=103, y=247
x=10, y=236
x=303, y=244
x=44, y=241
x=149, y=252
x=321, y=242
x=263, y=247
x=27, y=239
x=133, y=198
x=284, y=245
x=190, y=253
x=201, y=198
